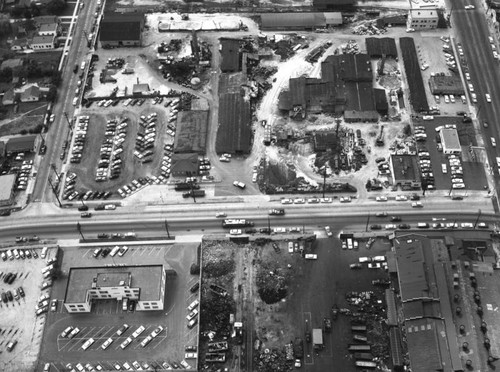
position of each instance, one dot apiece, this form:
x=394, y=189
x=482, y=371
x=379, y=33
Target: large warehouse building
x=345, y=87
x=299, y=21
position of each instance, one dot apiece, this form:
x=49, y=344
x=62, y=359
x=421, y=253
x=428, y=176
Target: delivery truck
x=317, y=338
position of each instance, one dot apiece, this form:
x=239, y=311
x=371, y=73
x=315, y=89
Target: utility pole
x=477, y=219
x=324, y=180
x=53, y=166
x=67, y=119
x=166, y=228
x=55, y=192
x=79, y=228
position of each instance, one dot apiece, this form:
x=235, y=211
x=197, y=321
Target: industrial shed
x=381, y=104
x=185, y=165
x=447, y=84
x=121, y=30
x=350, y=67
x=418, y=98
x=405, y=171
x=230, y=53
x=299, y=21
x=234, y=133
x=346, y=5
x=191, y=134
x=379, y=47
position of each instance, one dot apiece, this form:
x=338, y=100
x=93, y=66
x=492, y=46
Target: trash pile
x=351, y=47
x=368, y=28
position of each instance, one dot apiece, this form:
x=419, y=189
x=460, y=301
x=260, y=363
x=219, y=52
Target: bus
x=230, y=224
x=359, y=347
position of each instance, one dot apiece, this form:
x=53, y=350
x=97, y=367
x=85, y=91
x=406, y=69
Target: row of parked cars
x=80, y=138
x=138, y=184
x=110, y=162
x=146, y=136
x=23, y=172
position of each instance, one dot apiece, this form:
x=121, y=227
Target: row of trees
x=55, y=7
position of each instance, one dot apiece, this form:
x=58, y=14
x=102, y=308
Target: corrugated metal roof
x=422, y=340
x=290, y=20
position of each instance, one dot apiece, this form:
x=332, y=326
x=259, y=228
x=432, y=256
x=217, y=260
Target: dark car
x=414, y=197
x=376, y=227
x=131, y=305
x=83, y=208
x=276, y=212
x=102, y=236
x=404, y=226
x=4, y=297
x=308, y=336
x=265, y=230
x=99, y=208
x=105, y=252
x=195, y=287
x=7, y=277
x=395, y=218
x=9, y=296
x=276, y=248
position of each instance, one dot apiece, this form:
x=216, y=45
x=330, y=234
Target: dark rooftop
x=404, y=167
x=119, y=27
x=230, y=51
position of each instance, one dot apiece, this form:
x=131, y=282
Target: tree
x=52, y=93
x=56, y=78
x=6, y=75
x=35, y=10
x=56, y=7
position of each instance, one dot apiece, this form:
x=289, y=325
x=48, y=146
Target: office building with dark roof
x=145, y=284
x=405, y=171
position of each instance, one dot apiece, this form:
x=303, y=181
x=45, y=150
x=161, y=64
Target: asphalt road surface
x=204, y=222
x=59, y=129
x=473, y=33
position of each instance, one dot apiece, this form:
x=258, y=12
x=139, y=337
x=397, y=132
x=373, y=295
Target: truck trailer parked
x=317, y=338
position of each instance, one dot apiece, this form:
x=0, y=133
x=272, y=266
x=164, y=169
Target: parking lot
x=107, y=316
x=19, y=322
x=472, y=171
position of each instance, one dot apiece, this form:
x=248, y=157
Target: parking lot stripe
x=158, y=344
x=59, y=347
x=86, y=252
x=144, y=250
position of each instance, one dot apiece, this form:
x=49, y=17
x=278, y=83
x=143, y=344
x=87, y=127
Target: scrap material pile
x=272, y=360
x=367, y=322
x=368, y=28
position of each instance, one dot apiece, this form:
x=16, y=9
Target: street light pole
x=79, y=228
x=54, y=191
x=477, y=219
x=67, y=119
x=166, y=228
x=53, y=166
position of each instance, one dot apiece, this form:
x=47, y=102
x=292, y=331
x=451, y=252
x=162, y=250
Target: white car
x=221, y=214
x=345, y=199
x=466, y=225
x=401, y=198
x=239, y=184
x=191, y=356
x=235, y=232
x=192, y=314
x=474, y=97
x=374, y=265
x=299, y=201
x=471, y=87
x=467, y=76
x=125, y=343
x=88, y=343
x=364, y=259
x=417, y=205
x=469, y=7
x=381, y=198
x=328, y=231
x=488, y=97
x=391, y=227
x=286, y=201
x=106, y=343
x=326, y=200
